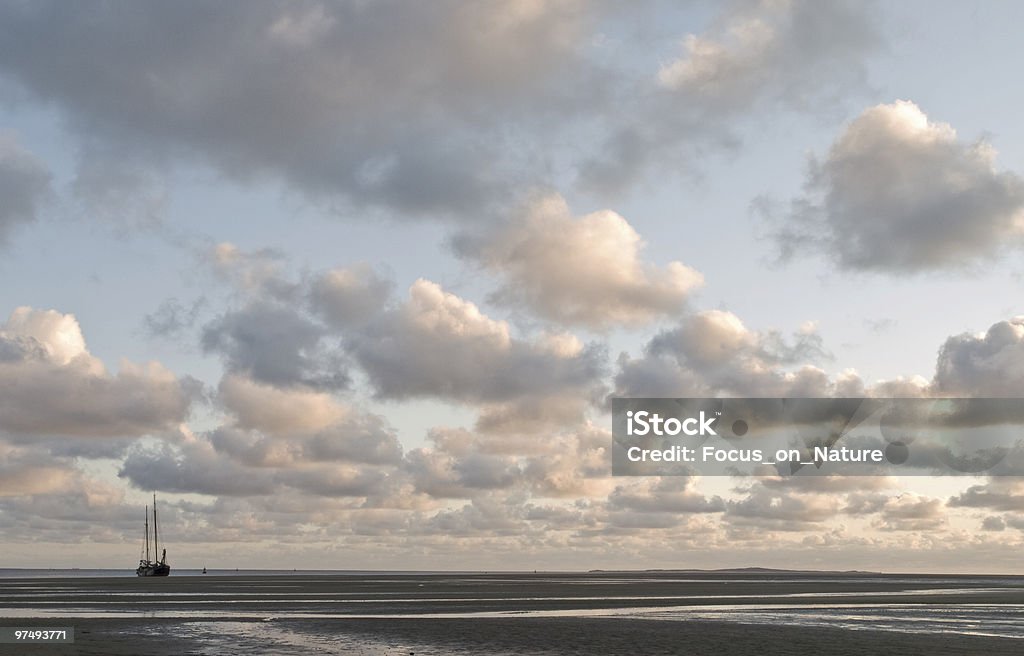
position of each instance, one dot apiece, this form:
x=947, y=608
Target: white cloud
x=899, y=192
x=437, y=344
x=279, y=411
x=583, y=270
x=51, y=385
x=788, y=50
x=714, y=352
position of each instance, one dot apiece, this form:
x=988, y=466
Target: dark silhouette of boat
x=149, y=567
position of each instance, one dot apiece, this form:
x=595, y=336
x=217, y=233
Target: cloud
x=405, y=109
x=193, y=467
x=349, y=296
x=898, y=192
x=781, y=510
x=51, y=385
x=578, y=270
x=993, y=523
x=998, y=494
x=340, y=462
x=756, y=57
x=989, y=364
x=439, y=345
x=276, y=343
x=568, y=464
x=121, y=189
x=172, y=319
x=24, y=473
x=278, y=411
x=24, y=185
x=666, y=494
x=713, y=351
x=911, y=512
x=258, y=272
x=791, y=51
x=432, y=344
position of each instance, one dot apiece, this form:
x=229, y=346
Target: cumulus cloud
x=713, y=352
x=24, y=473
x=989, y=364
x=567, y=464
x=781, y=510
x=276, y=343
x=24, y=184
x=756, y=56
x=51, y=385
x=306, y=336
x=666, y=494
x=349, y=296
x=900, y=192
x=911, y=512
x=997, y=494
x=583, y=270
x=401, y=108
x=335, y=463
x=792, y=51
x=439, y=345
x=278, y=411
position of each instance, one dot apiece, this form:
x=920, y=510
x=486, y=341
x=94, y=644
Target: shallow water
x=273, y=606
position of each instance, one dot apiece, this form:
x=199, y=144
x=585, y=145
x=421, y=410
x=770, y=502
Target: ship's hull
x=155, y=569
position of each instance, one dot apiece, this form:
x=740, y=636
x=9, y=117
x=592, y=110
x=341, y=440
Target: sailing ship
x=149, y=567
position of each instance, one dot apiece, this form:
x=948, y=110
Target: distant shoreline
x=78, y=572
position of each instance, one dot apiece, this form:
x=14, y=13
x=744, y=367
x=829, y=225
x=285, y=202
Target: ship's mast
x=156, y=540
x=147, y=534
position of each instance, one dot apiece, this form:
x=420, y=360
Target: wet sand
x=600, y=613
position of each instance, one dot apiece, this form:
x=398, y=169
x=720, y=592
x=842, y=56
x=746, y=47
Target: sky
x=350, y=285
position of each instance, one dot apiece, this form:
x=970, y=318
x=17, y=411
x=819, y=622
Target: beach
x=514, y=613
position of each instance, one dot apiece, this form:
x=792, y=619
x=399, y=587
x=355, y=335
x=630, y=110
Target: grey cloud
x=193, y=468
x=898, y=192
x=256, y=273
x=668, y=494
x=198, y=467
x=463, y=476
x=439, y=345
x=910, y=512
x=24, y=185
x=276, y=344
x=983, y=365
x=712, y=351
x=798, y=53
x=120, y=189
x=424, y=109
x=363, y=439
x=993, y=523
x=432, y=344
x=172, y=319
x=51, y=385
x=25, y=473
x=756, y=56
x=481, y=517
x=350, y=296
x=998, y=494
x=403, y=108
x=780, y=510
